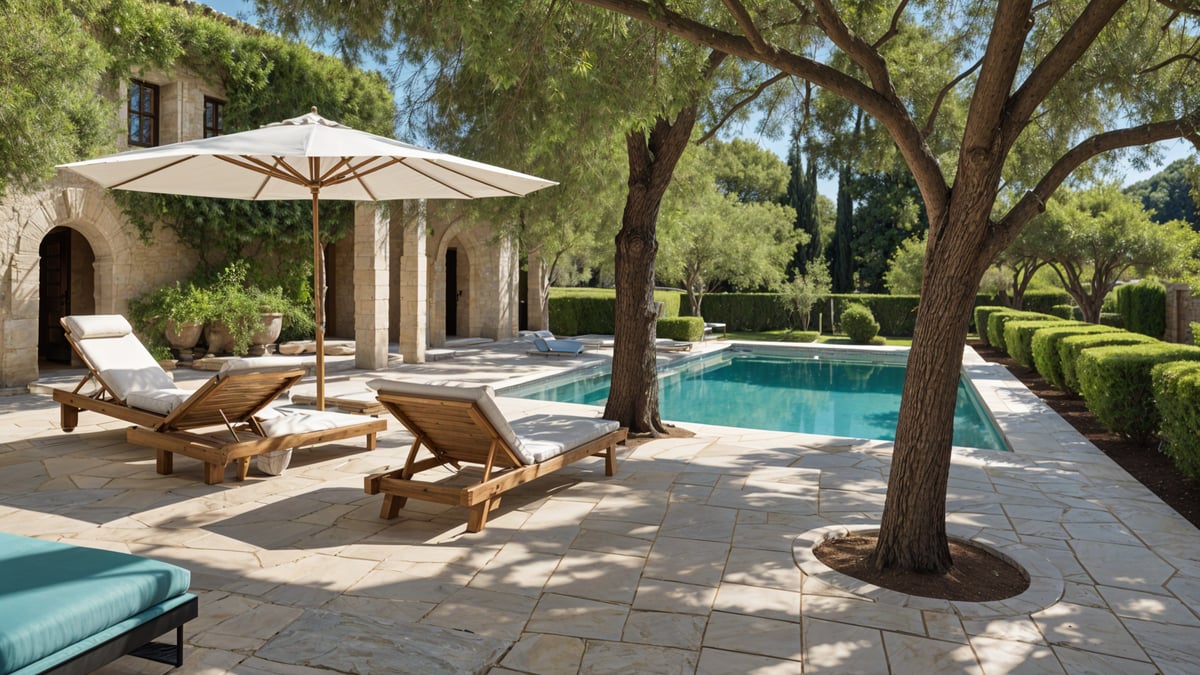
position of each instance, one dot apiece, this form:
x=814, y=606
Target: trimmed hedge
x=1069, y=349
x=1143, y=307
x=1111, y=319
x=1176, y=387
x=1069, y=312
x=996, y=321
x=1033, y=301
x=981, y=315
x=687, y=328
x=1115, y=383
x=746, y=311
x=581, y=311
x=859, y=324
x=1018, y=337
x=1045, y=347
x=1195, y=328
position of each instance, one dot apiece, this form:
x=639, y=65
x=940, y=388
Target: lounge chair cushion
x=558, y=346
x=263, y=364
x=108, y=342
x=54, y=596
x=161, y=401
x=286, y=420
x=546, y=436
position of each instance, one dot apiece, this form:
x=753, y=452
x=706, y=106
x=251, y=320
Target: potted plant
x=175, y=313
x=243, y=316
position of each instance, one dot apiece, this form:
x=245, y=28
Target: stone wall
x=1182, y=311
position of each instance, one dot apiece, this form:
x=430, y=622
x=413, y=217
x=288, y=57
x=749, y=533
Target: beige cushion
x=161, y=401
x=86, y=327
x=262, y=364
x=284, y=421
x=546, y=436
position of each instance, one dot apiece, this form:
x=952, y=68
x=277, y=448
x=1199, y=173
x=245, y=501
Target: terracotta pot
x=183, y=336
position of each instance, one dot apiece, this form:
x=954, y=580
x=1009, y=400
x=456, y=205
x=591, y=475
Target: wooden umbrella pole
x=318, y=301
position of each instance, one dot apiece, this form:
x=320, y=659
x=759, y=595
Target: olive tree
x=1045, y=86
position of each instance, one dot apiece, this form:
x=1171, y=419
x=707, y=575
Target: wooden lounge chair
x=462, y=425
x=227, y=419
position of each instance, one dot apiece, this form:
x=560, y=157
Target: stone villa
x=413, y=278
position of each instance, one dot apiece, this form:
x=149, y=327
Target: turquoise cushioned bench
x=63, y=604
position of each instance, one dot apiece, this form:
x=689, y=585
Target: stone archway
x=122, y=267
x=66, y=285
x=485, y=287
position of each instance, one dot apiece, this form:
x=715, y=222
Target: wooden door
x=55, y=295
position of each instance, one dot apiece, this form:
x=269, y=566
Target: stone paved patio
x=688, y=560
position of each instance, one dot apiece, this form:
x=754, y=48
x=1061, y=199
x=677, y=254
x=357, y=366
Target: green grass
x=794, y=336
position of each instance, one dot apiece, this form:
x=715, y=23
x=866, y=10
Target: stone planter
x=183, y=337
x=272, y=326
x=216, y=334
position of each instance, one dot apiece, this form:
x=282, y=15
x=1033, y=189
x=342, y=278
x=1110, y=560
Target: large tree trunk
x=633, y=396
x=912, y=533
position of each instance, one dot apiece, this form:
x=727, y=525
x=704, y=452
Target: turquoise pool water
x=855, y=395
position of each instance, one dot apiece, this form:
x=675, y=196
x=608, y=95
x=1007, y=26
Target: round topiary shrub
x=859, y=323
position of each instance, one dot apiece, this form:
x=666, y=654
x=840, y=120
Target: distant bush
x=1176, y=387
x=1115, y=383
x=688, y=328
x=996, y=321
x=1143, y=307
x=1195, y=333
x=859, y=324
x=1070, y=348
x=1045, y=347
x=1069, y=312
x=981, y=315
x=1018, y=337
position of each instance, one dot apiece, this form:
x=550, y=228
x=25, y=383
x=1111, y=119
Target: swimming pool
x=826, y=392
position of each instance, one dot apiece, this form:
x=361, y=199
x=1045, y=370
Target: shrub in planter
x=1070, y=348
x=1045, y=347
x=996, y=321
x=1018, y=337
x=1176, y=387
x=1115, y=383
x=686, y=328
x=169, y=308
x=859, y=324
x=239, y=310
x=981, y=319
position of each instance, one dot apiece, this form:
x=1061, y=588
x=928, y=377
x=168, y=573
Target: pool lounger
x=72, y=609
x=463, y=425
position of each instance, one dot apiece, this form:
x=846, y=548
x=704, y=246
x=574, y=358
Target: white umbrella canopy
x=307, y=157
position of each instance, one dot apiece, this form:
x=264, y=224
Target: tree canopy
x=1170, y=193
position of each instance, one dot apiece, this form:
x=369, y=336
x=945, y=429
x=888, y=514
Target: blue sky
x=242, y=9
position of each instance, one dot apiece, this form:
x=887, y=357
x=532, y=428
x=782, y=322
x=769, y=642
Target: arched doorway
x=67, y=286
x=458, y=291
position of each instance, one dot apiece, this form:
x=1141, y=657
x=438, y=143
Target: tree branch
x=744, y=20
x=941, y=97
x=763, y=86
x=1057, y=63
x=1034, y=201
x=894, y=29
x=1173, y=59
x=884, y=105
x=998, y=70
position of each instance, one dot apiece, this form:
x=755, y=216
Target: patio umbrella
x=307, y=157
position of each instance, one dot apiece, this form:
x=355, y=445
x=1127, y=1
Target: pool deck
x=693, y=558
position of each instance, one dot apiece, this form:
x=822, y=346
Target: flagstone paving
x=692, y=559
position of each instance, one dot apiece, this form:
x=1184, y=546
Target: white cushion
x=125, y=365
x=546, y=436
x=263, y=364
x=284, y=421
x=86, y=327
x=161, y=401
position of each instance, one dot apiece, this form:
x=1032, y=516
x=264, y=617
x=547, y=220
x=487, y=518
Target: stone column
x=414, y=321
x=371, y=222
